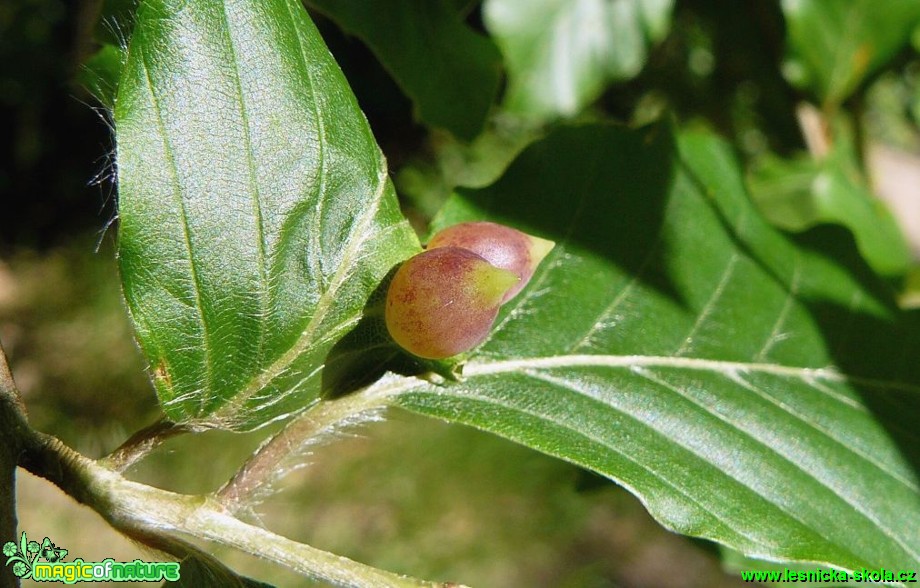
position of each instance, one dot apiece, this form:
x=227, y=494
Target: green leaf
x=449, y=71
x=835, y=44
x=256, y=216
x=797, y=194
x=427, y=183
x=750, y=390
x=561, y=54
x=101, y=72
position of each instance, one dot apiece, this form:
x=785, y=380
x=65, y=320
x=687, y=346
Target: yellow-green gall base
x=501, y=246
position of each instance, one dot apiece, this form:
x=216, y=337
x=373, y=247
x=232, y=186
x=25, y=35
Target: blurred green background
x=409, y=494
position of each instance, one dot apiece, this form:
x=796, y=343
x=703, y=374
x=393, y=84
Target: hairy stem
x=141, y=443
x=159, y=518
x=152, y=515
x=266, y=464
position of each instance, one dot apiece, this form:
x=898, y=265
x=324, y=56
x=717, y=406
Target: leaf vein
x=476, y=368
x=315, y=260
x=791, y=296
x=617, y=450
x=855, y=505
x=186, y=236
x=782, y=509
x=710, y=304
x=254, y=193
x=911, y=485
x=357, y=237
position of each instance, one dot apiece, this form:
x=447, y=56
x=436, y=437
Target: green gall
x=444, y=301
x=501, y=246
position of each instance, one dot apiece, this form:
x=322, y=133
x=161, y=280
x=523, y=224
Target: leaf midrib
x=253, y=186
x=531, y=367
x=280, y=366
x=355, y=240
x=177, y=195
x=733, y=528
x=725, y=367
x=732, y=370
x=812, y=376
x=316, y=261
x=729, y=369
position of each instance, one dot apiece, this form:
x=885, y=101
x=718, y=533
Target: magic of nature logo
x=44, y=562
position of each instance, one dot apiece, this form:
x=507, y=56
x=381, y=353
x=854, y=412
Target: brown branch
x=141, y=443
x=13, y=427
x=8, y=387
x=815, y=130
x=158, y=518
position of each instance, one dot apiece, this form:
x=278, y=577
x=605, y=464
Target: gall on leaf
x=501, y=246
x=443, y=301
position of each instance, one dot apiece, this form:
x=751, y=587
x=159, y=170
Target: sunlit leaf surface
x=748, y=389
x=256, y=216
x=834, y=45
x=560, y=54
